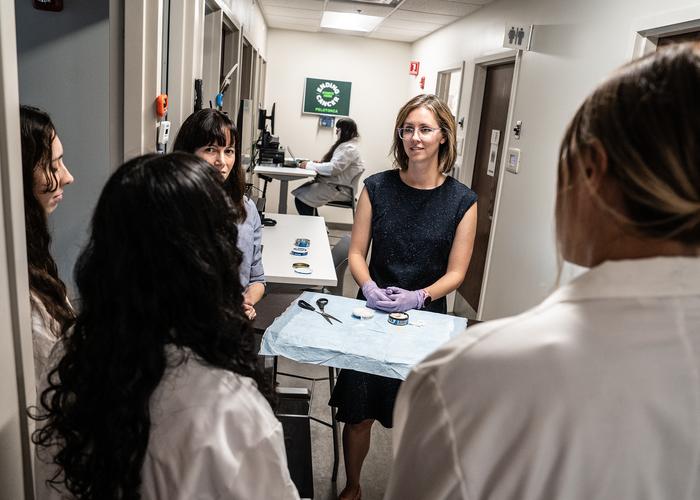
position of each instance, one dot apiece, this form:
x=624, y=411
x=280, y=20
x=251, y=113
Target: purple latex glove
x=373, y=294
x=401, y=300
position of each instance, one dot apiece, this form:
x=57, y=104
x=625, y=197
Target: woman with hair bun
x=155, y=393
x=44, y=177
x=595, y=392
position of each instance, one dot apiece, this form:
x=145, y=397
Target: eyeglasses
x=406, y=133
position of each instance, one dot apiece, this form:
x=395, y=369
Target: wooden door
x=693, y=36
x=494, y=114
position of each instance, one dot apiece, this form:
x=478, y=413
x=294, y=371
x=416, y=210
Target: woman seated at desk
x=337, y=170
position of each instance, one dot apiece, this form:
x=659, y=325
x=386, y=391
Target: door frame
x=646, y=31
x=471, y=137
x=16, y=359
x=143, y=40
x=456, y=171
x=186, y=55
x=451, y=69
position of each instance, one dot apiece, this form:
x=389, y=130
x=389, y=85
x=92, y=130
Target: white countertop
x=279, y=172
x=277, y=244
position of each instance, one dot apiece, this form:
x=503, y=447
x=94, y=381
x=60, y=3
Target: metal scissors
x=321, y=303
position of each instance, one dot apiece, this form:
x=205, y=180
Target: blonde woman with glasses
x=595, y=393
x=421, y=224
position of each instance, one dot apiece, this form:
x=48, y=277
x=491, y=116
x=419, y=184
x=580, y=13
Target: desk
x=277, y=242
x=284, y=175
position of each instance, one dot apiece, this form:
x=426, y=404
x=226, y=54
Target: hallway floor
x=375, y=472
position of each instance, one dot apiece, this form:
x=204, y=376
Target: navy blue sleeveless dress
x=412, y=234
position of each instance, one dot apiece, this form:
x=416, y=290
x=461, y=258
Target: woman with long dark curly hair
x=337, y=170
x=44, y=177
x=212, y=135
x=155, y=391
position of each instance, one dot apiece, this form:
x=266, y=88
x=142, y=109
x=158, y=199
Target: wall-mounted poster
x=327, y=97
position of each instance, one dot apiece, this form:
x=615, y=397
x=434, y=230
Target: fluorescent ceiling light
x=349, y=22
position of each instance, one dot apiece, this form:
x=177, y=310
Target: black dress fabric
x=412, y=234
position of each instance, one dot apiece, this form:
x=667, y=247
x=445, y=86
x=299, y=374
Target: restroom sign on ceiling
x=327, y=97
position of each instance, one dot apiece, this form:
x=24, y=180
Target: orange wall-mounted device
x=162, y=105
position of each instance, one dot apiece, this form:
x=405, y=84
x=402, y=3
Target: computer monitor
x=263, y=117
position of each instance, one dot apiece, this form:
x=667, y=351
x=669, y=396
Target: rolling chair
x=352, y=203
x=340, y=261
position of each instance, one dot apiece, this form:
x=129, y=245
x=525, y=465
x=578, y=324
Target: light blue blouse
x=250, y=245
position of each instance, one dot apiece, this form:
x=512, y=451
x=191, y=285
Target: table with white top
x=277, y=244
x=284, y=175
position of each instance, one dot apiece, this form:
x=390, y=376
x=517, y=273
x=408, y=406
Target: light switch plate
x=513, y=163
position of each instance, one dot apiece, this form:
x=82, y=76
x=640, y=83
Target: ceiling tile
x=413, y=20
x=293, y=27
x=368, y=10
x=301, y=21
x=293, y=13
x=395, y=37
x=292, y=4
x=397, y=31
x=410, y=25
x=407, y=15
x=439, y=7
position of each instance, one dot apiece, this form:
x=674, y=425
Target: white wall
x=248, y=14
x=64, y=68
x=575, y=45
x=378, y=71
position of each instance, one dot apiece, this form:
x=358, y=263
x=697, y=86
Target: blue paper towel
x=369, y=345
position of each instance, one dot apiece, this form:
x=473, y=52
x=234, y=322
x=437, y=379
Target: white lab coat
x=334, y=179
x=593, y=394
x=45, y=333
x=213, y=436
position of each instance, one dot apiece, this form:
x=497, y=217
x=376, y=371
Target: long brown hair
x=174, y=274
x=348, y=132
x=447, y=154
x=209, y=126
x=646, y=118
x=37, y=134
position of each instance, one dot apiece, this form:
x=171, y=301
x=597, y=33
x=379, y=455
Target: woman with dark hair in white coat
x=156, y=392
x=595, y=393
x=336, y=171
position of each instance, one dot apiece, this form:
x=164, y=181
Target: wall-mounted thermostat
x=513, y=160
